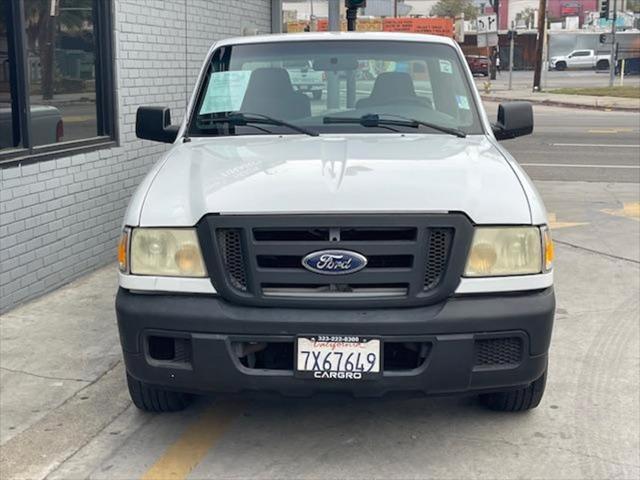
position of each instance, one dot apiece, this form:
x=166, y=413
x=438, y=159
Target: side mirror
x=154, y=123
x=514, y=120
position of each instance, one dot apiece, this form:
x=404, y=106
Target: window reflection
x=61, y=69
x=8, y=135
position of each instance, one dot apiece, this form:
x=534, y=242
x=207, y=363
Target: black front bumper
x=452, y=329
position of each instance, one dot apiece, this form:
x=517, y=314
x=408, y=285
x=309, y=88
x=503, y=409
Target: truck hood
x=334, y=174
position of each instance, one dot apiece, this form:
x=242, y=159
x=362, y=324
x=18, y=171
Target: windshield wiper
x=242, y=118
x=375, y=120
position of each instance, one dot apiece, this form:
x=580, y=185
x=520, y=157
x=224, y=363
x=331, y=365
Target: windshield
x=303, y=83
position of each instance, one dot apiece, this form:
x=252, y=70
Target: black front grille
x=258, y=259
x=230, y=243
x=498, y=352
x=438, y=249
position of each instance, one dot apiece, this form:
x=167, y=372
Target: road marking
x=610, y=130
x=577, y=165
x=191, y=447
x=77, y=118
x=628, y=210
x=593, y=145
x=554, y=224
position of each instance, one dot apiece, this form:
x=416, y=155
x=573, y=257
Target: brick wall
x=61, y=218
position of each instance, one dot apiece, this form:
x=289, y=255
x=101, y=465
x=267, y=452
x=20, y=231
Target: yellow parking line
x=191, y=447
x=629, y=210
x=554, y=224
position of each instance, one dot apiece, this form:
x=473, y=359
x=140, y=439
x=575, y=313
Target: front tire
x=517, y=400
x=156, y=400
x=560, y=66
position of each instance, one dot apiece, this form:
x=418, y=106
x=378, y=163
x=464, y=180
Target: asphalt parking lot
x=66, y=413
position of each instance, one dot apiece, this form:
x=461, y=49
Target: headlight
x=505, y=251
x=166, y=252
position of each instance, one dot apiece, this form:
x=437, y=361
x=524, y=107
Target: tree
x=41, y=30
x=453, y=8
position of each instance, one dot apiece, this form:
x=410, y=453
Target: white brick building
x=60, y=215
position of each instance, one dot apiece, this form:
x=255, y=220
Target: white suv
x=377, y=240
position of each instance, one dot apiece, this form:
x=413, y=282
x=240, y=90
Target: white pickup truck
x=47, y=126
x=305, y=79
x=580, y=59
x=384, y=242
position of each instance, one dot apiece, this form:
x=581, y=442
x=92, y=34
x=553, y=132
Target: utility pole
x=333, y=91
x=493, y=59
x=395, y=8
x=512, y=37
x=612, y=62
x=352, y=16
x=542, y=19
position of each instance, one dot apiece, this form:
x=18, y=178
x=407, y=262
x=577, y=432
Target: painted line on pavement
x=191, y=447
x=593, y=145
x=628, y=210
x=578, y=165
x=77, y=118
x=554, y=224
x=610, y=130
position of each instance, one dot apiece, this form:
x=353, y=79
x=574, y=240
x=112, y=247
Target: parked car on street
x=478, y=64
x=46, y=125
x=383, y=243
x=580, y=59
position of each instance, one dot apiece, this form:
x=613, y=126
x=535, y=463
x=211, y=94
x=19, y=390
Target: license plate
x=338, y=357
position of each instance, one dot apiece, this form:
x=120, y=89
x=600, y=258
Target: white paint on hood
x=363, y=173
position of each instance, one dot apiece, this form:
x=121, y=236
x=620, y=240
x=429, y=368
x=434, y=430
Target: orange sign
x=363, y=25
x=296, y=26
x=433, y=26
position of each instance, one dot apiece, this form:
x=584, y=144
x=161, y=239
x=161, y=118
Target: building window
x=56, y=81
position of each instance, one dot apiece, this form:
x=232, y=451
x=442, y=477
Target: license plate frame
x=335, y=344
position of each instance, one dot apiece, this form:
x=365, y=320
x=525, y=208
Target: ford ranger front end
x=372, y=240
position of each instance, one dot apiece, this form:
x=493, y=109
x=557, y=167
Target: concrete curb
x=559, y=103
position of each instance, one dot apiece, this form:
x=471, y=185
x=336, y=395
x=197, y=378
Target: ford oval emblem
x=334, y=262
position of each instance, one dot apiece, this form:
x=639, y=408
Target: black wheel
x=560, y=66
x=517, y=400
x=602, y=65
x=317, y=94
x=157, y=400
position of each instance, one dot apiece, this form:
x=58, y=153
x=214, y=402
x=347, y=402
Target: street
x=67, y=414
x=586, y=145
x=554, y=79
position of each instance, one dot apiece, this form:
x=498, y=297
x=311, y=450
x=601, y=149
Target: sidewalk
x=574, y=101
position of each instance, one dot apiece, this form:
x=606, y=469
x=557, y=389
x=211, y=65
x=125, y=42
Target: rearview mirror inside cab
x=514, y=120
x=154, y=123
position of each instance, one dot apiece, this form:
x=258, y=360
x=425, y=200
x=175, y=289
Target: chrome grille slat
x=325, y=291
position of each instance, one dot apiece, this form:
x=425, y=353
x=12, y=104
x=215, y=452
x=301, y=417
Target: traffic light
x=604, y=8
x=355, y=4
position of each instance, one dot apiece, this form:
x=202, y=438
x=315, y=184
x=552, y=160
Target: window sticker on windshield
x=445, y=66
x=225, y=91
x=463, y=102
